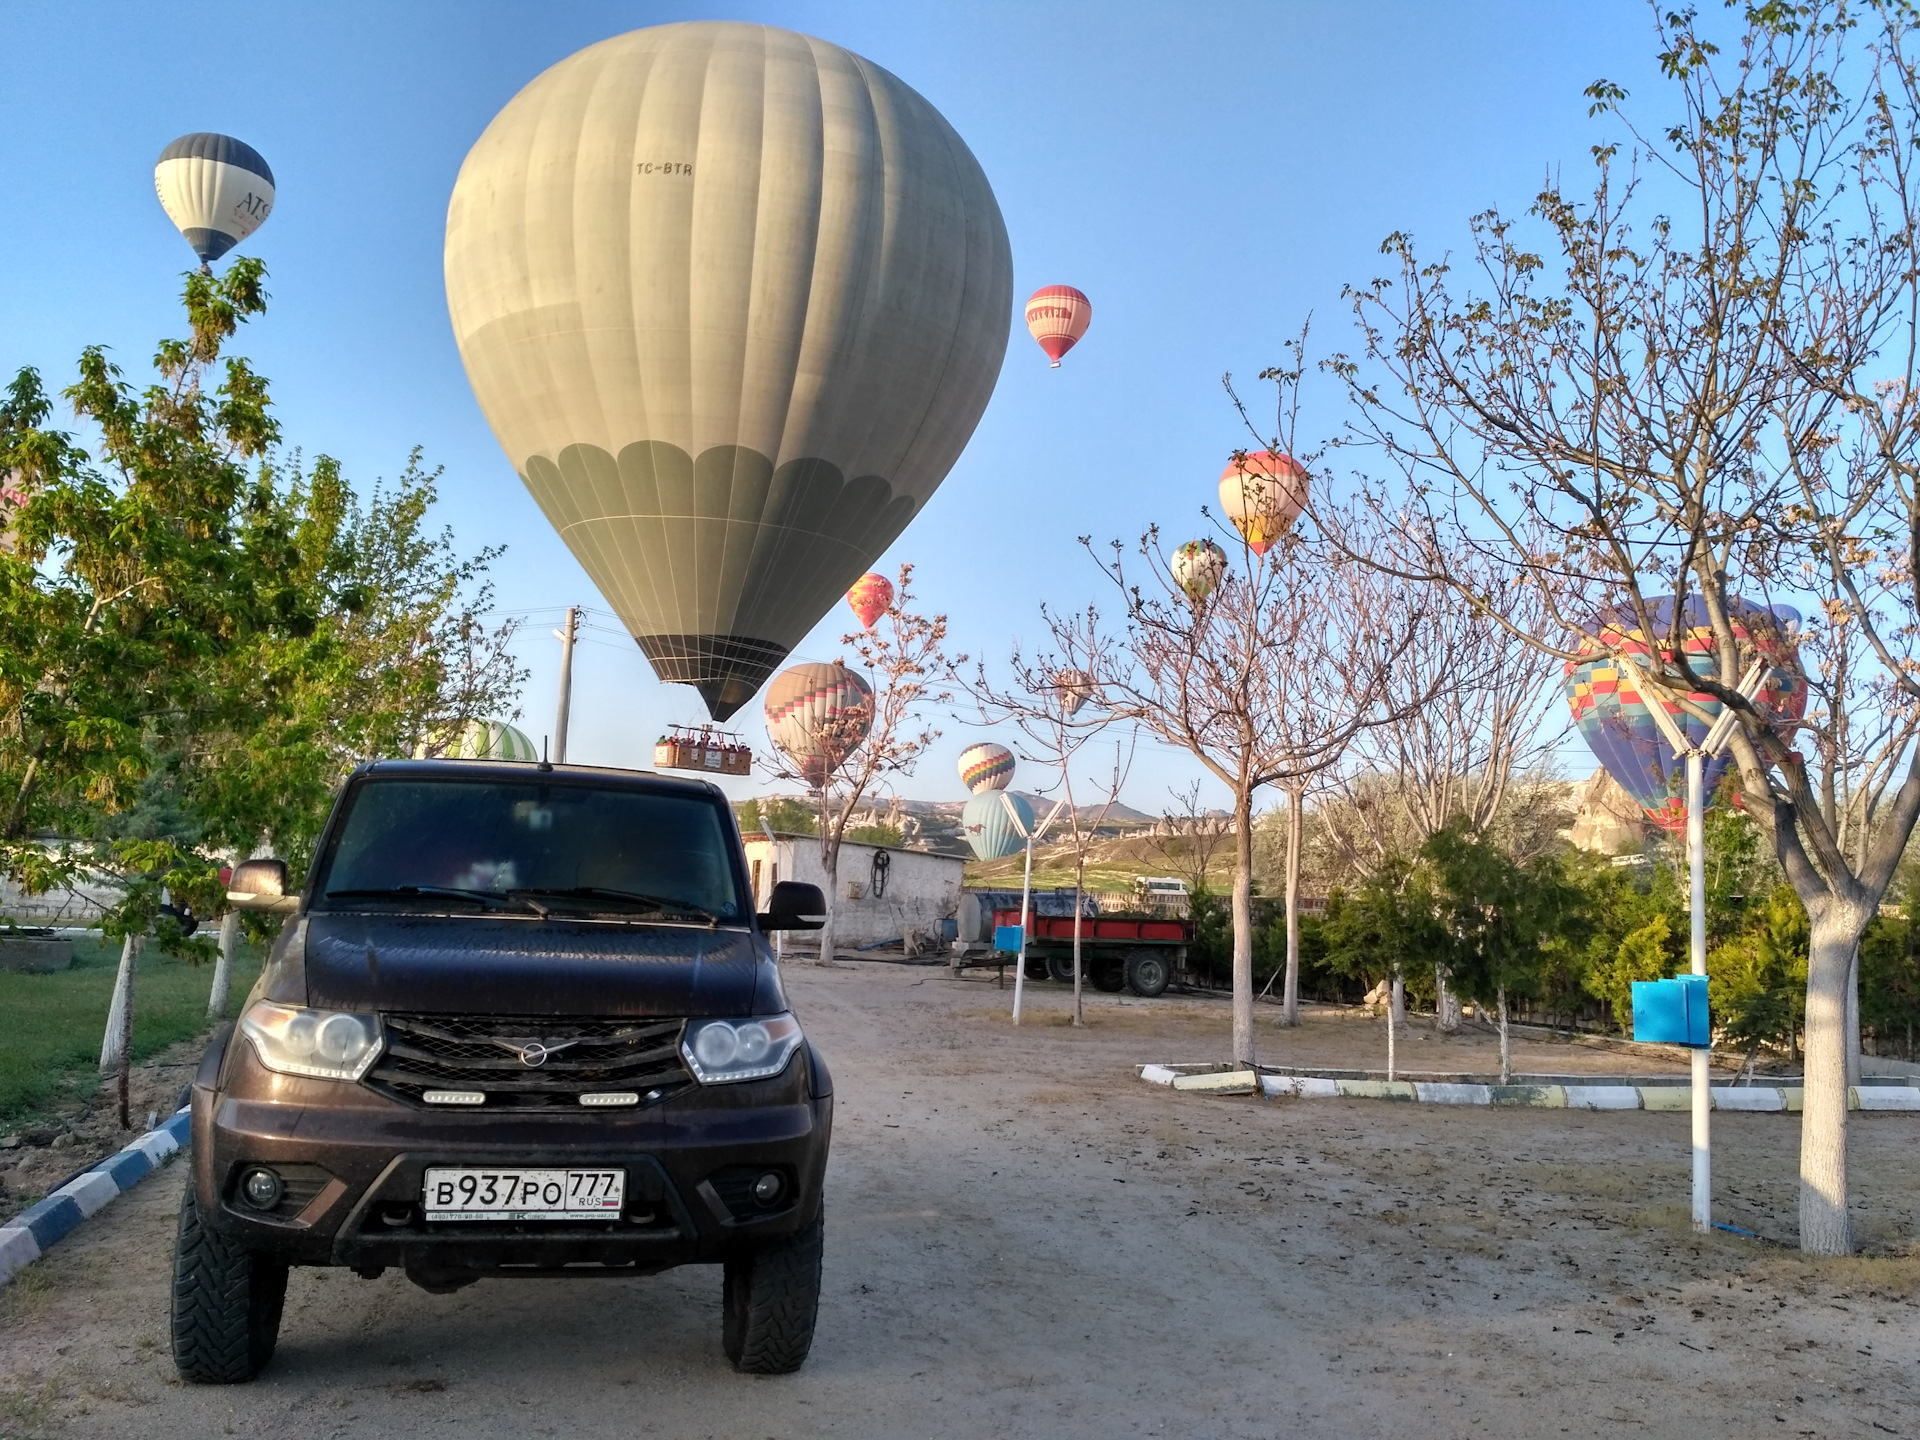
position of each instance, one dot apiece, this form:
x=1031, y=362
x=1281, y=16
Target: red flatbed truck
x=1140, y=953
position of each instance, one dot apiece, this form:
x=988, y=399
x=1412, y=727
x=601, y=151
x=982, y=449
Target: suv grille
x=470, y=1052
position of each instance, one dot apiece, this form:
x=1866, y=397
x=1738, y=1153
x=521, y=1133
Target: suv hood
x=486, y=965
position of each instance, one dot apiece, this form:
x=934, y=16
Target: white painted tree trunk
x=829, y=862
x=223, y=967
x=1825, y=1228
x=1853, y=1019
x=1398, y=1004
x=1243, y=929
x=1506, y=1040
x=1079, y=873
x=117, y=1011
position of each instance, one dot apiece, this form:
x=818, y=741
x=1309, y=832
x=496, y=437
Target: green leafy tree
x=1645, y=954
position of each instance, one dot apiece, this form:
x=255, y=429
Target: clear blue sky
x=1208, y=174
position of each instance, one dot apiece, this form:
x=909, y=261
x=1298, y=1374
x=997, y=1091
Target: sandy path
x=1024, y=1240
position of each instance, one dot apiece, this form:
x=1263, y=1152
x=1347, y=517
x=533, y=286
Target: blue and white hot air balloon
x=989, y=831
x=216, y=189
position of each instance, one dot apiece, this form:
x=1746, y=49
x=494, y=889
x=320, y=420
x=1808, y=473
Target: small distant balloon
x=1198, y=568
x=817, y=714
x=1075, y=688
x=1057, y=316
x=216, y=189
x=986, y=766
x=871, y=597
x=1263, y=495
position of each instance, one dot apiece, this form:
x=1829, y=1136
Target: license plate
x=474, y=1194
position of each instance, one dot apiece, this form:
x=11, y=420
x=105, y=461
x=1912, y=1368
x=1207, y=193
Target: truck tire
x=1109, y=976
x=1149, y=972
x=1060, y=967
x=226, y=1303
x=769, y=1303
x=1036, y=968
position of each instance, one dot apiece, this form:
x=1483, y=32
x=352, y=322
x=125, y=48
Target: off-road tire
x=1109, y=977
x=1148, y=973
x=771, y=1298
x=226, y=1303
x=1060, y=967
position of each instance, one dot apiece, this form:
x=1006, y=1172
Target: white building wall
x=922, y=890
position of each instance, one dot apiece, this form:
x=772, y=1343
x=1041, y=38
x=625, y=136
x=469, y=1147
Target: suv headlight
x=720, y=1051
x=328, y=1044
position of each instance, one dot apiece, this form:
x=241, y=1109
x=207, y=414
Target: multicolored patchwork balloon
x=1057, y=316
x=986, y=766
x=818, y=715
x=1198, y=568
x=1614, y=719
x=871, y=597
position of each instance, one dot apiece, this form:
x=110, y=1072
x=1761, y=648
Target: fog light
x=768, y=1187
x=261, y=1188
x=602, y=1099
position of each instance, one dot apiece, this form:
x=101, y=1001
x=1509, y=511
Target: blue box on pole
x=1006, y=937
x=1672, y=1012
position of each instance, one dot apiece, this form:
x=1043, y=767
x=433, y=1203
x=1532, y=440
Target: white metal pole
x=565, y=637
x=1697, y=951
x=1020, y=968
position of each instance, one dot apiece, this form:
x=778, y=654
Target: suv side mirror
x=261, y=885
x=794, y=906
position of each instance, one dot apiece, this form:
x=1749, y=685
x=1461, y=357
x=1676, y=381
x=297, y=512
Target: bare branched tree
x=905, y=664
x=1265, y=681
x=1695, y=398
x=1053, y=700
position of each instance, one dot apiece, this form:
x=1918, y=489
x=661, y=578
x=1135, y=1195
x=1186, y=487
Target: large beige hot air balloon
x=733, y=300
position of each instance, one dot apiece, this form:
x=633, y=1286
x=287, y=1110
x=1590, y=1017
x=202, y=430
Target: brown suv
x=522, y=1022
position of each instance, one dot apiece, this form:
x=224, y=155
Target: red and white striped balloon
x=1057, y=316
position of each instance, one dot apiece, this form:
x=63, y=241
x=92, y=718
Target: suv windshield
x=533, y=845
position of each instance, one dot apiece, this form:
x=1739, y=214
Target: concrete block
x=1603, y=1097
x=1883, y=1097
x=91, y=1191
x=1219, y=1082
x=1677, y=1099
x=1441, y=1094
x=1376, y=1089
x=18, y=1249
x=1748, y=1097
x=1539, y=1097
x=1795, y=1096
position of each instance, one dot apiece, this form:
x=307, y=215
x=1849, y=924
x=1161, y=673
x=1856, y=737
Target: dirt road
x=1023, y=1240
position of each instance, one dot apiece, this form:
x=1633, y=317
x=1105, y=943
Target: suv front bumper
x=354, y=1163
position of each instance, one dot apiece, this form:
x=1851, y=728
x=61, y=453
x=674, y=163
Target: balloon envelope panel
x=733, y=300
x=990, y=833
x=986, y=766
x=1614, y=720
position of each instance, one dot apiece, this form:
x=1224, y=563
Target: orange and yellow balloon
x=871, y=597
x=1262, y=493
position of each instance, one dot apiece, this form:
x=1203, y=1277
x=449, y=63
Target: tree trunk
x=1825, y=1228
x=223, y=967
x=1853, y=1019
x=117, y=1026
x=1446, y=1004
x=1290, y=1001
x=1243, y=927
x=1506, y=1039
x=829, y=862
x=1079, y=874
x=1397, y=1001
x=123, y=1071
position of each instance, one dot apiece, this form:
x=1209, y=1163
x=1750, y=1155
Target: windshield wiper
x=487, y=899
x=658, y=903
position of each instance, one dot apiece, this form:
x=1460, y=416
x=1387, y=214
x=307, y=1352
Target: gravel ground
x=1025, y=1240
